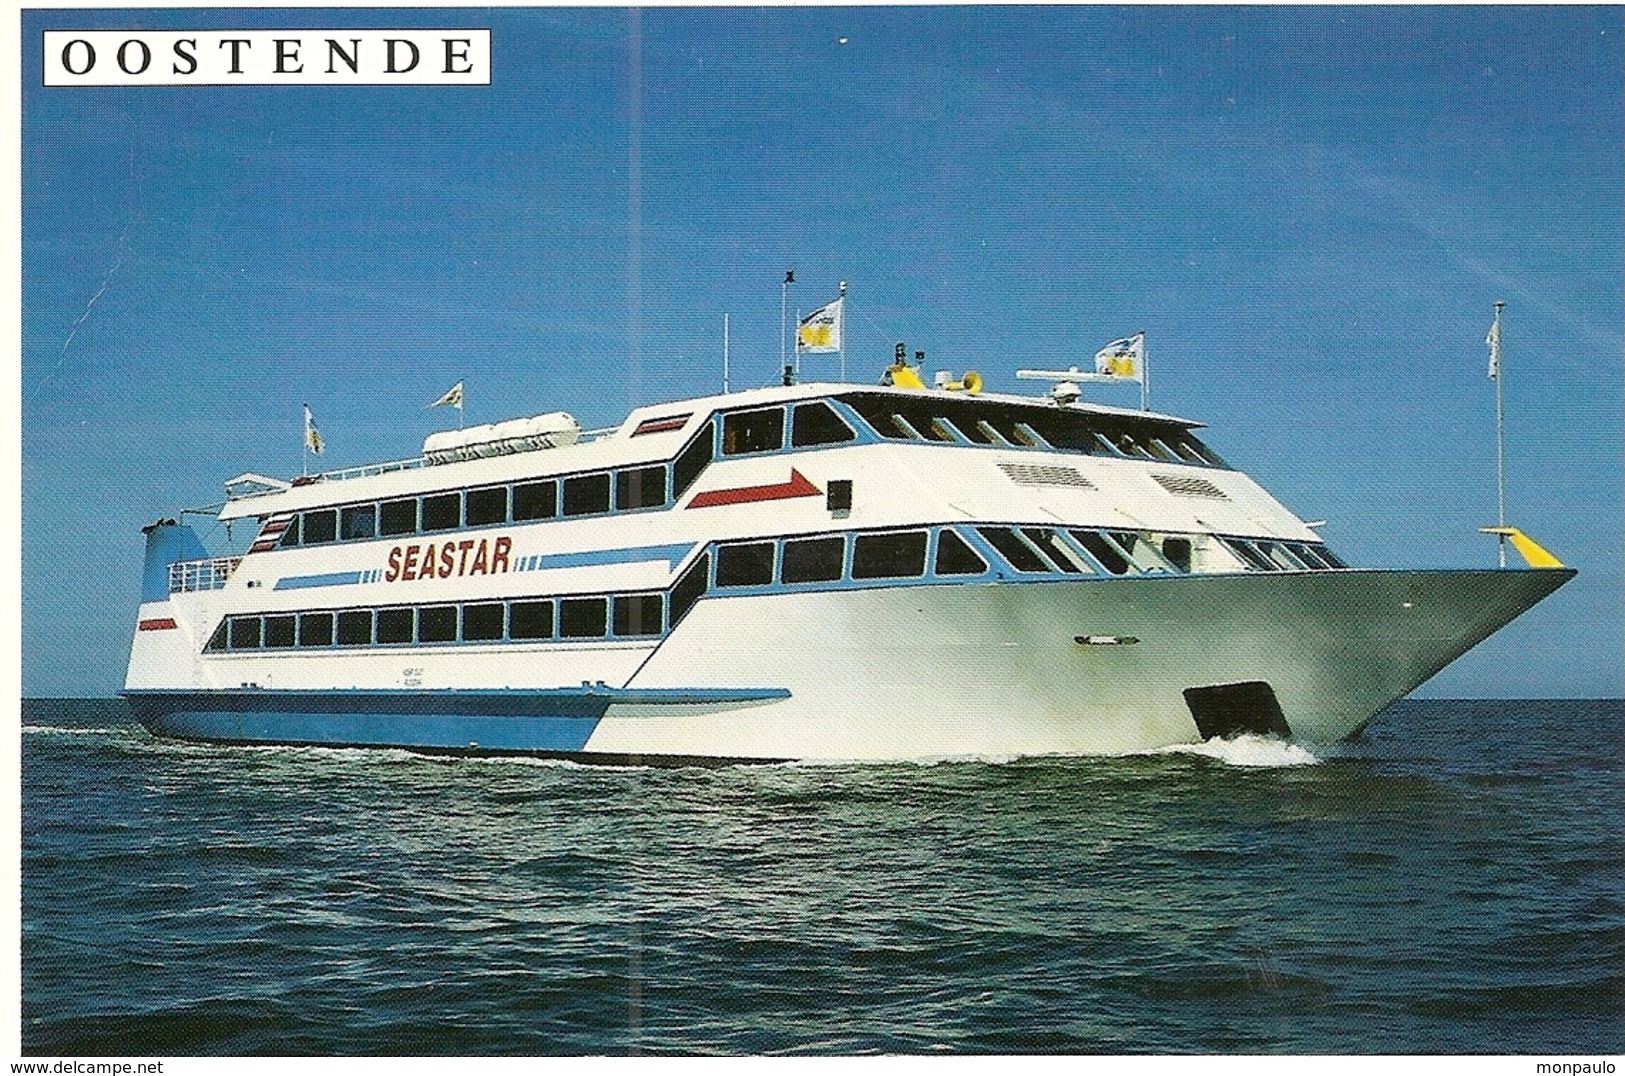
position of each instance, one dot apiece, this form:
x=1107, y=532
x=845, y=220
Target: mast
x=1494, y=341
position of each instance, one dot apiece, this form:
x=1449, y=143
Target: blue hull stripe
x=332, y=579
x=541, y=721
x=671, y=554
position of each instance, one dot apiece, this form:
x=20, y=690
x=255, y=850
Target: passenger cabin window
x=530, y=620
x=690, y=588
x=279, y=631
x=581, y=618
x=483, y=507
x=395, y=625
x=360, y=521
x=745, y=565
x=888, y=556
x=437, y=624
x=320, y=527
x=291, y=535
x=640, y=487
x=355, y=628
x=482, y=622
x=586, y=494
x=753, y=431
x=691, y=461
x=954, y=557
x=535, y=500
x=316, y=629
x=245, y=633
x=398, y=517
x=813, y=560
x=639, y=614
x=442, y=512
x=817, y=423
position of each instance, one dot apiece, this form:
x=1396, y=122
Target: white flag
x=1123, y=359
x=313, y=436
x=1494, y=341
x=821, y=330
x=452, y=398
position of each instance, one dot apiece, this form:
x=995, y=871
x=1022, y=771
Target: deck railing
x=189, y=575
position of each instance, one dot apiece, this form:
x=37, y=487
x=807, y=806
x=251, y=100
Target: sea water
x=1451, y=882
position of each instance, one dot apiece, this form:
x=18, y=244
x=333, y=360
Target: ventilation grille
x=1037, y=474
x=1187, y=486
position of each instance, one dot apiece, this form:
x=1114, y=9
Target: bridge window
x=355, y=627
x=640, y=487
x=320, y=526
x=1055, y=550
x=1110, y=557
x=484, y=507
x=691, y=461
x=586, y=494
x=639, y=614
x=442, y=512
x=395, y=625
x=581, y=618
x=888, y=556
x=316, y=629
x=482, y=622
x=530, y=620
x=398, y=517
x=535, y=500
x=1013, y=549
x=753, y=431
x=817, y=423
x=813, y=560
x=748, y=565
x=954, y=557
x=279, y=631
x=1178, y=553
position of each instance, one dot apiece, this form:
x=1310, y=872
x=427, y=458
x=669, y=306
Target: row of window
x=622, y=616
x=627, y=489
x=902, y=554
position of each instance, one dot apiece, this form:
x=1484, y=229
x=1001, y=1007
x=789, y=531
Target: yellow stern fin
x=1529, y=549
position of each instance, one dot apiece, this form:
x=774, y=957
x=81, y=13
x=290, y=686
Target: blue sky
x=1310, y=211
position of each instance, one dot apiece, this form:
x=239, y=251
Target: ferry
x=821, y=571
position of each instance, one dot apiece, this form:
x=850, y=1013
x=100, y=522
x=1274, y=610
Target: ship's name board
x=267, y=57
x=483, y=556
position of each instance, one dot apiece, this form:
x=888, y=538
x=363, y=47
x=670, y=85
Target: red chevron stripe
x=162, y=623
x=798, y=486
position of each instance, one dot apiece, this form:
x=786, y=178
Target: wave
x=1248, y=750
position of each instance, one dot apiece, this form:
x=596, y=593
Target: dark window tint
x=753, y=431
x=888, y=556
x=745, y=565
x=1110, y=557
x=530, y=620
x=639, y=614
x=641, y=487
x=817, y=423
x=1013, y=549
x=217, y=641
x=482, y=622
x=398, y=517
x=1063, y=430
x=320, y=527
x=245, y=632
x=813, y=560
x=581, y=618
x=689, y=588
x=1054, y=549
x=691, y=461
x=442, y=512
x=437, y=624
x=279, y=631
x=954, y=557
x=291, y=535
x=586, y=494
x=1329, y=557
x=316, y=629
x=358, y=521
x=535, y=500
x=973, y=430
x=486, y=506
x=355, y=627
x=394, y=625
